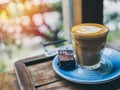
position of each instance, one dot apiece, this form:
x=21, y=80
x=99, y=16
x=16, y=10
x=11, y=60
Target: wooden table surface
x=45, y=78
x=8, y=81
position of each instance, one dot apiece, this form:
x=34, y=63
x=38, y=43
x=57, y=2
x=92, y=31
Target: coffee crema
x=89, y=30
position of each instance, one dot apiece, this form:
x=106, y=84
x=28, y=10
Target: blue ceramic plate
x=109, y=70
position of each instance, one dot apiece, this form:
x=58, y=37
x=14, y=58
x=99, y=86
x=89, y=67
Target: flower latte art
x=88, y=29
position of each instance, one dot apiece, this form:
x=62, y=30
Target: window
x=112, y=20
x=25, y=25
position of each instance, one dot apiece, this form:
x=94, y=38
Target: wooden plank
x=77, y=11
x=87, y=11
x=37, y=60
x=60, y=85
x=8, y=81
x=30, y=59
x=23, y=76
x=67, y=20
x=43, y=73
x=66, y=85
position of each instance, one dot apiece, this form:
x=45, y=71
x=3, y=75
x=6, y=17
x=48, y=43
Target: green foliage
x=57, y=6
x=114, y=17
x=2, y=66
x=115, y=0
x=113, y=35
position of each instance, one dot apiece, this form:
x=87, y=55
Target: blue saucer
x=108, y=71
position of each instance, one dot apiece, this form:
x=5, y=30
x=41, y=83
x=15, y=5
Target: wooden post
x=92, y=11
x=77, y=11
x=67, y=17
x=87, y=11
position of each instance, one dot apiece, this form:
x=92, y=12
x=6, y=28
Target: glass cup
x=88, y=41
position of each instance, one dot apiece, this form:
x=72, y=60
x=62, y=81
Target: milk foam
x=88, y=29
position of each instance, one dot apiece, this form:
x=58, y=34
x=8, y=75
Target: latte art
x=88, y=29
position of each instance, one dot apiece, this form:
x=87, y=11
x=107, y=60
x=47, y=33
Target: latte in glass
x=88, y=42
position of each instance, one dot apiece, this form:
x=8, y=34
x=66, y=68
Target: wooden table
x=8, y=81
x=43, y=77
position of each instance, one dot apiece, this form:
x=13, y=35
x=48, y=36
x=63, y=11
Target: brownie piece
x=66, y=59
